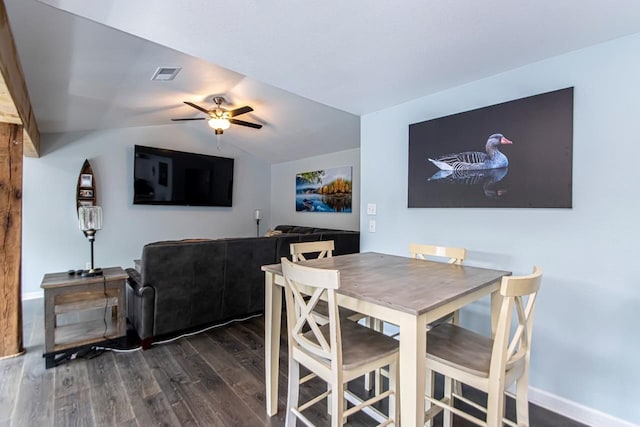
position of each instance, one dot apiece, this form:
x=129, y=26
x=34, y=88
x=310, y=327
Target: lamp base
x=91, y=273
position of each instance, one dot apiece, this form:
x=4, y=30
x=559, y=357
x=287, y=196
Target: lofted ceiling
x=308, y=71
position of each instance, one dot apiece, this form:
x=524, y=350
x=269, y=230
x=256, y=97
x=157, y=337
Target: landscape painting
x=327, y=190
x=517, y=154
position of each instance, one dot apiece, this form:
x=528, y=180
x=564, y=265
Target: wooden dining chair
x=323, y=249
x=451, y=255
x=336, y=352
x=487, y=364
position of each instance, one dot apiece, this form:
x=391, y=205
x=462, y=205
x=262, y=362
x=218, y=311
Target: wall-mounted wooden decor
x=86, y=189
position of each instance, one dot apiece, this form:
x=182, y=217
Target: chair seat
x=361, y=345
x=456, y=346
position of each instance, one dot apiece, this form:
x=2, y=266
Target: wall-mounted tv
x=168, y=177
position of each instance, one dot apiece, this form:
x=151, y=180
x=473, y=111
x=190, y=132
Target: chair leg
x=394, y=401
x=369, y=378
x=495, y=404
x=294, y=389
x=429, y=389
x=378, y=325
x=457, y=385
x=522, y=399
x=447, y=419
x=337, y=406
x=344, y=401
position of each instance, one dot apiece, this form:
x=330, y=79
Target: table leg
x=272, y=323
x=412, y=370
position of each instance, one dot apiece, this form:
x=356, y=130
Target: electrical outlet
x=372, y=226
x=371, y=208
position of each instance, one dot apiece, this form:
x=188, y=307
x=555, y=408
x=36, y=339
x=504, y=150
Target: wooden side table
x=64, y=293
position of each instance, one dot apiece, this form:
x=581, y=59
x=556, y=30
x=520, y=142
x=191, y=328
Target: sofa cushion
x=345, y=242
x=189, y=277
x=244, y=279
x=302, y=230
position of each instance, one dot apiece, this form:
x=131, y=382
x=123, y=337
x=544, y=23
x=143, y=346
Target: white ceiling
x=307, y=69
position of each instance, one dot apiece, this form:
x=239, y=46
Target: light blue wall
x=587, y=329
x=51, y=238
x=283, y=188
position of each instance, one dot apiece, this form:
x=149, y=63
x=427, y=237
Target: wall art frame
x=325, y=190
x=453, y=160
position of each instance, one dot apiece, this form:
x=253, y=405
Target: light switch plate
x=371, y=208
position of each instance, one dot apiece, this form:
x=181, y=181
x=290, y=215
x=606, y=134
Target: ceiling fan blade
x=197, y=107
x=182, y=120
x=238, y=111
x=243, y=123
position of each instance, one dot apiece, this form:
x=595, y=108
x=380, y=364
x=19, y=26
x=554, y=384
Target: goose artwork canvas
x=517, y=154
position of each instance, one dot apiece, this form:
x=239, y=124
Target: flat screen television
x=168, y=177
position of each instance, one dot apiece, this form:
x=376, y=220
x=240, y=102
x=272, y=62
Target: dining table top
x=405, y=284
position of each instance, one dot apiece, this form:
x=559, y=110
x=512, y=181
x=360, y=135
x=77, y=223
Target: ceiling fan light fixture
x=219, y=123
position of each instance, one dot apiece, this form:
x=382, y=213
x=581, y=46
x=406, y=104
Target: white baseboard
x=575, y=411
x=32, y=295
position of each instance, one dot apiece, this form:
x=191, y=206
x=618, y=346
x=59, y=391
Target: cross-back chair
x=451, y=254
x=454, y=255
x=324, y=249
x=336, y=352
x=488, y=364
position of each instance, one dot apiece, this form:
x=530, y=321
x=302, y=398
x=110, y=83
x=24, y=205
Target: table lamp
x=258, y=218
x=90, y=221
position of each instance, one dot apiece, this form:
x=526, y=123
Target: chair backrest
x=512, y=346
x=323, y=247
x=316, y=282
x=455, y=255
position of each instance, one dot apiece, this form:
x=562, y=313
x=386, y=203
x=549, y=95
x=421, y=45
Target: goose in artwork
x=476, y=160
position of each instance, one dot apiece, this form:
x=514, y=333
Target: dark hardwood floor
x=215, y=378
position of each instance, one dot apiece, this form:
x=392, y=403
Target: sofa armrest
x=140, y=304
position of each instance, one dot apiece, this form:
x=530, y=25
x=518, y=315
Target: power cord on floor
x=117, y=350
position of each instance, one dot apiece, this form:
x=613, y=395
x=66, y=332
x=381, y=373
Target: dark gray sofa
x=188, y=284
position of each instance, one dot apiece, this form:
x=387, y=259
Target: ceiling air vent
x=166, y=73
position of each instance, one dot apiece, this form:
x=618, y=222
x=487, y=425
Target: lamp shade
x=219, y=123
x=90, y=218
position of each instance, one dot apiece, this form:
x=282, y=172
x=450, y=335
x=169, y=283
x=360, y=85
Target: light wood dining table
x=403, y=291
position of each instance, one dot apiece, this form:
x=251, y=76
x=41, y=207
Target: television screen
x=168, y=177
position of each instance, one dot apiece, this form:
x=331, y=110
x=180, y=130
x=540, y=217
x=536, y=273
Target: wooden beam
x=11, y=342
x=15, y=106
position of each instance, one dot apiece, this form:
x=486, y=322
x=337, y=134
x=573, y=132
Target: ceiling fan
x=220, y=118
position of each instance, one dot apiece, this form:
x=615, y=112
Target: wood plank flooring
x=215, y=378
